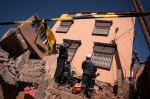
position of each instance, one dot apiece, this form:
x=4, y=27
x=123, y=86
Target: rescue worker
x=63, y=56
x=88, y=76
x=66, y=72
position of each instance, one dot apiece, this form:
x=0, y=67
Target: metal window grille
x=103, y=61
x=103, y=55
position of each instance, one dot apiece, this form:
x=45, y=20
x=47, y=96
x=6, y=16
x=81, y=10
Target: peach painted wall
x=82, y=30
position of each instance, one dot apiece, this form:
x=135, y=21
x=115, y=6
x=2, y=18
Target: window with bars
x=73, y=48
x=65, y=25
x=103, y=55
x=102, y=27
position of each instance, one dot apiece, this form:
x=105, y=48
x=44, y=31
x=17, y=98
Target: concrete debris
x=51, y=90
x=3, y=54
x=3, y=60
x=22, y=64
x=32, y=71
x=7, y=76
x=10, y=78
x=20, y=60
x=13, y=43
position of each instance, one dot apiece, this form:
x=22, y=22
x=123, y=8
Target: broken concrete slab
x=29, y=34
x=13, y=43
x=7, y=76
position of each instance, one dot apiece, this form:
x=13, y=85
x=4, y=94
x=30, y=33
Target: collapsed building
x=108, y=40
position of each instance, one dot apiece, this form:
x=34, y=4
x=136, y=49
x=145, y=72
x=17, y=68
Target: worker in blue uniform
x=88, y=76
x=63, y=56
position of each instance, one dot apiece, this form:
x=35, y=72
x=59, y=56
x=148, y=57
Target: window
x=102, y=27
x=73, y=48
x=65, y=25
x=103, y=54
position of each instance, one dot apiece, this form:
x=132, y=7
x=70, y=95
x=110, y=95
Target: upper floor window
x=102, y=27
x=65, y=25
x=103, y=55
x=73, y=48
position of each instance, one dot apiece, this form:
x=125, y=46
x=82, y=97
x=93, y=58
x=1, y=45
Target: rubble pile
x=20, y=64
x=48, y=89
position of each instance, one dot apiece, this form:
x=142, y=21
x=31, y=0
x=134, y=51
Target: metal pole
x=145, y=19
x=137, y=56
x=145, y=31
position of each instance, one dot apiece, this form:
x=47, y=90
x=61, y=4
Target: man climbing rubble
x=63, y=56
x=88, y=76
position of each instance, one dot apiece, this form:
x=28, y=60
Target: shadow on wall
x=118, y=63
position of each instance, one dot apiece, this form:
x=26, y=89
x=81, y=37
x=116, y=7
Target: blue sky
x=19, y=10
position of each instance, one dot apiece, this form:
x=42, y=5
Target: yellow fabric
x=50, y=38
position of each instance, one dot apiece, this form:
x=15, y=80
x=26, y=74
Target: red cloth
x=29, y=90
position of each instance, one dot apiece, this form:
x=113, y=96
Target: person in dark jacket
x=63, y=56
x=66, y=72
x=88, y=76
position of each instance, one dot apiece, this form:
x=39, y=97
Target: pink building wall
x=82, y=30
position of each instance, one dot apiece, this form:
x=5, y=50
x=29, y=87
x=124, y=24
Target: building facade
x=108, y=40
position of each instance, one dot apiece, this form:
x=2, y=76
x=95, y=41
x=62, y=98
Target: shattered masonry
x=22, y=64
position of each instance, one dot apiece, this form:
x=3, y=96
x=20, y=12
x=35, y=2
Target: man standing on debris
x=88, y=76
x=63, y=56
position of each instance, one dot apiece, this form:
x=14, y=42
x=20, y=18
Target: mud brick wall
x=32, y=71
